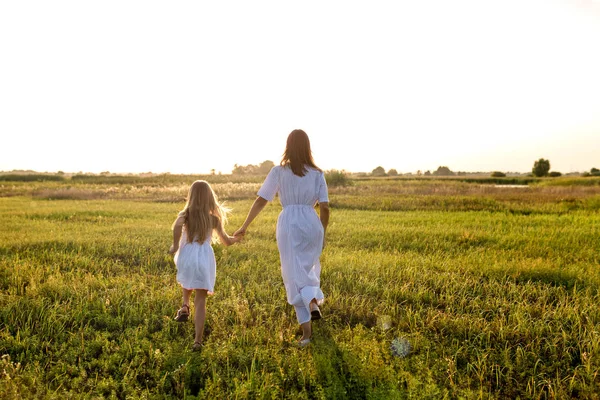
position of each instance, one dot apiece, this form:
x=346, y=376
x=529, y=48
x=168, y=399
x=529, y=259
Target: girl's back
x=185, y=239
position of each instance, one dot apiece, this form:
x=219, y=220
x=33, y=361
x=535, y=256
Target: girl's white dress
x=196, y=265
x=299, y=233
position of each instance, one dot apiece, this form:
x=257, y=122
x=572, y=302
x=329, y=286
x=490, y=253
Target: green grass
x=495, y=289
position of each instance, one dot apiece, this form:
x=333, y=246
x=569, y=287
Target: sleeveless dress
x=299, y=233
x=196, y=265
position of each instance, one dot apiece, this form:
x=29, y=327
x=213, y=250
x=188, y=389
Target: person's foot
x=183, y=313
x=197, y=346
x=315, y=312
x=304, y=342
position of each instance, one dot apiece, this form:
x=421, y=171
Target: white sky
x=187, y=86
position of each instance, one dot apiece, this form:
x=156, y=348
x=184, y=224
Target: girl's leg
x=186, y=298
x=184, y=311
x=200, y=314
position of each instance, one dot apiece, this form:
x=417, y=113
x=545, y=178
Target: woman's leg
x=311, y=297
x=303, y=316
x=200, y=314
x=307, y=326
x=306, y=330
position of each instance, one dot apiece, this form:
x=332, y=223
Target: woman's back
x=294, y=189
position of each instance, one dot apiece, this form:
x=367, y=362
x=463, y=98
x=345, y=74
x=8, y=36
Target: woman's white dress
x=196, y=265
x=299, y=232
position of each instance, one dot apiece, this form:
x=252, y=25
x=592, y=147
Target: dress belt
x=297, y=205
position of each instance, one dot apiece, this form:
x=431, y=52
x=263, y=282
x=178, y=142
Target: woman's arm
x=324, y=216
x=177, y=228
x=256, y=208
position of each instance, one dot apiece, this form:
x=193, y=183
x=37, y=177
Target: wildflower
x=400, y=347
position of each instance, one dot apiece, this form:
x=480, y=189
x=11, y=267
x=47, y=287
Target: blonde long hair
x=202, y=212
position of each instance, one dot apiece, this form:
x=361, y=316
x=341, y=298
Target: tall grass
x=490, y=303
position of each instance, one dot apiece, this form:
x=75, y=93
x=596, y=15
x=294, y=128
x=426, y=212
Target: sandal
x=182, y=315
x=315, y=313
x=197, y=346
x=304, y=342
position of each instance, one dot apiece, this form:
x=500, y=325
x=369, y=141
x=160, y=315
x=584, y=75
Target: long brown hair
x=202, y=211
x=297, y=153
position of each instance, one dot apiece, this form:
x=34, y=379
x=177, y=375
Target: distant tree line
x=441, y=171
x=541, y=168
x=261, y=169
x=593, y=172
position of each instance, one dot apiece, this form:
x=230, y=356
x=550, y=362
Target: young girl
x=201, y=218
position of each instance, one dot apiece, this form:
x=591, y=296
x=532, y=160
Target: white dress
x=299, y=232
x=196, y=265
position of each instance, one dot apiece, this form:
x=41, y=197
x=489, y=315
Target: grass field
x=434, y=289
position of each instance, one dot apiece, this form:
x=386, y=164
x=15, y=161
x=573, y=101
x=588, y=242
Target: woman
x=300, y=231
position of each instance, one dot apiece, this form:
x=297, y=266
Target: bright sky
x=188, y=86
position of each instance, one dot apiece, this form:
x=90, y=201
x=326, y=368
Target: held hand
x=236, y=238
x=240, y=232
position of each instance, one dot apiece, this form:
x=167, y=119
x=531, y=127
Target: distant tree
x=443, y=171
x=243, y=169
x=237, y=170
x=379, y=171
x=250, y=169
x=212, y=171
x=541, y=167
x=265, y=167
x=427, y=173
x=498, y=174
x=334, y=177
x=419, y=173
x=595, y=172
x=392, y=172
x=554, y=174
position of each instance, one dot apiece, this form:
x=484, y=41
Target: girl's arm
x=177, y=228
x=223, y=236
x=256, y=208
x=324, y=216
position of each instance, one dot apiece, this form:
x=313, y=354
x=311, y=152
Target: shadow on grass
x=555, y=278
x=335, y=367
x=344, y=368
x=563, y=279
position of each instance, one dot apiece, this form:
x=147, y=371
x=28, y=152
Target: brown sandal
x=182, y=315
x=197, y=346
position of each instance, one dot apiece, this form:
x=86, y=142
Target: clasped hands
x=240, y=232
